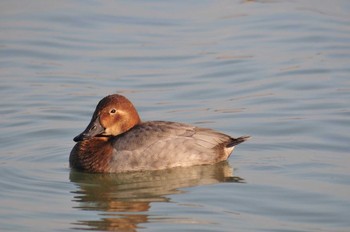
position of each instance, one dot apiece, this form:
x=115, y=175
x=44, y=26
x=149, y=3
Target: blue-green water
x=276, y=70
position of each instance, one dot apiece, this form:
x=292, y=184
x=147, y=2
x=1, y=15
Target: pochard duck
x=116, y=140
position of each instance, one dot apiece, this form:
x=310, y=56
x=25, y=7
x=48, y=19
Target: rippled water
x=276, y=70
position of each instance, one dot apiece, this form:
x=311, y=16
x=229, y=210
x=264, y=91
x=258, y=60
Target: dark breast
x=93, y=155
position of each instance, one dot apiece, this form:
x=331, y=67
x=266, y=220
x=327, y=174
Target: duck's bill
x=92, y=130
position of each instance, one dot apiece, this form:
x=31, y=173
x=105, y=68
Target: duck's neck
x=132, y=121
x=92, y=155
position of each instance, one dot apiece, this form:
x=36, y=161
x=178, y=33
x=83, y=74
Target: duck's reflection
x=124, y=199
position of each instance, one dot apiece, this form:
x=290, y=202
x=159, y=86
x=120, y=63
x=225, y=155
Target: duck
x=116, y=141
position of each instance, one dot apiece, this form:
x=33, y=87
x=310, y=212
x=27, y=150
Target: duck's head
x=114, y=115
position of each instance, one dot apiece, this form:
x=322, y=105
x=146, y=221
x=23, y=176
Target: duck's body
x=112, y=144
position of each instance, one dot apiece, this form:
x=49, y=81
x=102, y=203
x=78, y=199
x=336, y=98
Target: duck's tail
x=236, y=141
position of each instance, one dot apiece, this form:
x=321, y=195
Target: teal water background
x=276, y=70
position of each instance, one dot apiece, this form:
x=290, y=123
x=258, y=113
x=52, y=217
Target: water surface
x=275, y=70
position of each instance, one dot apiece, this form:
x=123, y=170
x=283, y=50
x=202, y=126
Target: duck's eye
x=113, y=111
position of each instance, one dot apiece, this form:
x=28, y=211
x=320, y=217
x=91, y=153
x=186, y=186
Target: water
x=275, y=70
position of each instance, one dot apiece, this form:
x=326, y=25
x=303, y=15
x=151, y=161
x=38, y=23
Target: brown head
x=113, y=115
